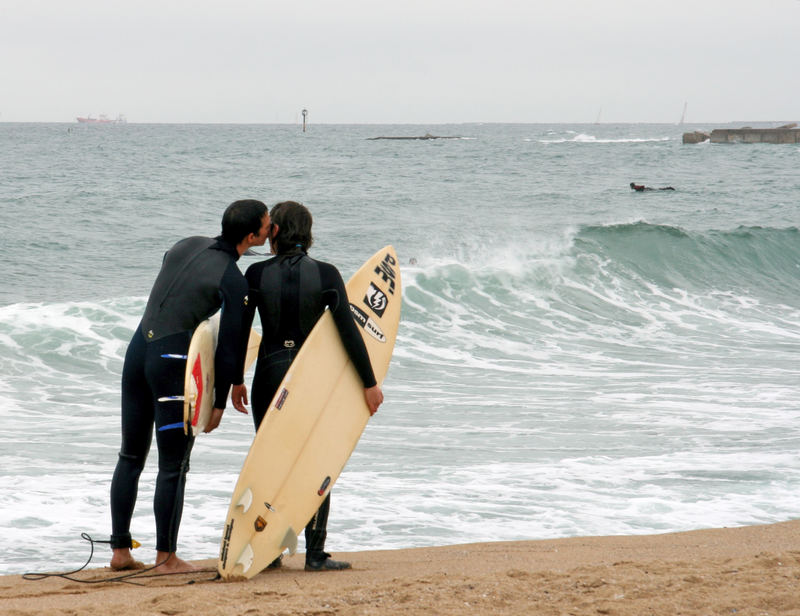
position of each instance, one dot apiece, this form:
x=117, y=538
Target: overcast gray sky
x=403, y=61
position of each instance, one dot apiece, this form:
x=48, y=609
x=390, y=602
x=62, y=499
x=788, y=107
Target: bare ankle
x=121, y=559
x=168, y=562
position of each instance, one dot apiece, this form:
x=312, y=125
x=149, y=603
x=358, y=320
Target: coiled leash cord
x=35, y=577
x=127, y=578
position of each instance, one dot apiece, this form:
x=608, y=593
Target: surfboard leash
x=126, y=578
x=35, y=577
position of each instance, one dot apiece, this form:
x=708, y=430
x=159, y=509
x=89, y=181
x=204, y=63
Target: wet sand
x=752, y=570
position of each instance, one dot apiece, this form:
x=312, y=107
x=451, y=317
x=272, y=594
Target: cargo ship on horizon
x=102, y=119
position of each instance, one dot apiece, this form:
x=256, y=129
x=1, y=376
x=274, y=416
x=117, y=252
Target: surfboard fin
x=246, y=500
x=289, y=541
x=246, y=558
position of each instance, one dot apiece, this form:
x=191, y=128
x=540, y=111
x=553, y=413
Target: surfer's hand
x=213, y=421
x=239, y=398
x=374, y=397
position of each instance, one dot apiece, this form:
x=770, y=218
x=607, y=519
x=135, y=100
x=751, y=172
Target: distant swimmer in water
x=642, y=187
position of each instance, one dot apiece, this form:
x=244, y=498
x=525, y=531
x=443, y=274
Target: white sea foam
x=584, y=138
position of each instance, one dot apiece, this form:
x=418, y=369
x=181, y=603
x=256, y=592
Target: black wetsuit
x=291, y=292
x=198, y=276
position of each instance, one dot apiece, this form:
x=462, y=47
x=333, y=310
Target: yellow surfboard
x=311, y=427
x=198, y=386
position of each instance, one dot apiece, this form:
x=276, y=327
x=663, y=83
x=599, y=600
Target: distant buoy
x=305, y=115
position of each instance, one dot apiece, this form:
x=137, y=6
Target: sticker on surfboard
x=376, y=300
x=385, y=269
x=369, y=325
x=197, y=379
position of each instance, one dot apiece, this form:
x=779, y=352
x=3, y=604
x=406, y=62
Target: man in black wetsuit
x=198, y=276
x=291, y=291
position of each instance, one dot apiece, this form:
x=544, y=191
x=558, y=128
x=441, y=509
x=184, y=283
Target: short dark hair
x=241, y=218
x=294, y=226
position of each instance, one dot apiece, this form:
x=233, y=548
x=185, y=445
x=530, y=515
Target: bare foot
x=130, y=565
x=170, y=563
x=123, y=561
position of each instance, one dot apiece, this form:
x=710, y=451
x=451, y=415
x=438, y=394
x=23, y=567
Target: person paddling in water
x=642, y=187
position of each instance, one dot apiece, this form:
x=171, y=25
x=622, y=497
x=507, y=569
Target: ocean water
x=574, y=358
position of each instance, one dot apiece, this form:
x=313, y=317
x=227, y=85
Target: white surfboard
x=198, y=386
x=311, y=427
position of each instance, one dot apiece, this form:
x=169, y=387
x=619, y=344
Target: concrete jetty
x=788, y=133
x=697, y=136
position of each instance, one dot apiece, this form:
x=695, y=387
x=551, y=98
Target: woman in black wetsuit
x=291, y=292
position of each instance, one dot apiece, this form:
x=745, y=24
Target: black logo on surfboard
x=385, y=270
x=225, y=543
x=366, y=321
x=376, y=299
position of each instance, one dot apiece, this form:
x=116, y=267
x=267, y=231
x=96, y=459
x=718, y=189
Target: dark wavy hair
x=241, y=218
x=294, y=226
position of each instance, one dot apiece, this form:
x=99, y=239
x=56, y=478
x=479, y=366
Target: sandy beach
x=752, y=570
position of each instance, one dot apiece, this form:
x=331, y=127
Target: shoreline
x=742, y=570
